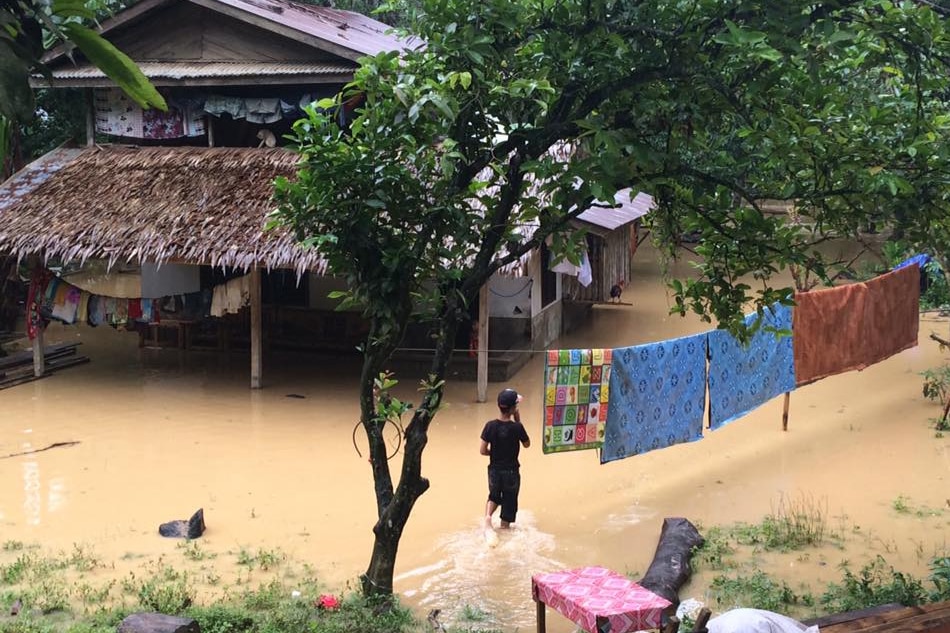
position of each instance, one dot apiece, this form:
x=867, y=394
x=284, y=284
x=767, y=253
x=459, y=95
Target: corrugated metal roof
x=22, y=183
x=347, y=29
x=629, y=208
x=200, y=70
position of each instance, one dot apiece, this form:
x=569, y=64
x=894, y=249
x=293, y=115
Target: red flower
x=329, y=602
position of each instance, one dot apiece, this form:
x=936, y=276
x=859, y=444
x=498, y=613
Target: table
x=597, y=600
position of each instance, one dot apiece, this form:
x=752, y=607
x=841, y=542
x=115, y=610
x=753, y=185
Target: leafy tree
x=29, y=27
x=471, y=151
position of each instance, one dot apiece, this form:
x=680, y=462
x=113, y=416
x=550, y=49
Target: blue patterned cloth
x=743, y=378
x=657, y=397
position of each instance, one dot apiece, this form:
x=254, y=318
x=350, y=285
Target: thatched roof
x=152, y=204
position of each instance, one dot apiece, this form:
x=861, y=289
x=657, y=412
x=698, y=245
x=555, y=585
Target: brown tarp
x=854, y=326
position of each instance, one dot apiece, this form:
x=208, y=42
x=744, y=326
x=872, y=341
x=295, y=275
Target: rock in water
x=191, y=529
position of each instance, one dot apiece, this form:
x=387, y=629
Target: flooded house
x=182, y=197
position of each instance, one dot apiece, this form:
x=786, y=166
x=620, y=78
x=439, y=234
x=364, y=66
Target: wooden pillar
x=256, y=327
x=483, y=343
x=90, y=118
x=39, y=359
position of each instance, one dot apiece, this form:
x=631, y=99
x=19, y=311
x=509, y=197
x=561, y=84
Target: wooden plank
x=928, y=617
x=848, y=616
x=26, y=358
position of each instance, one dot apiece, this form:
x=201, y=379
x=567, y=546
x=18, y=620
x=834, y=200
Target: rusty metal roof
x=358, y=33
x=346, y=34
x=204, y=70
x=629, y=208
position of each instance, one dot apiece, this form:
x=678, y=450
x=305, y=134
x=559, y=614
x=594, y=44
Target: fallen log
x=670, y=568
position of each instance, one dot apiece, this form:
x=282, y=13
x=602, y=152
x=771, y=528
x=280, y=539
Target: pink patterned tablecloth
x=589, y=593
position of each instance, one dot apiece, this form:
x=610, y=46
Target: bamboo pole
x=788, y=397
x=483, y=313
x=256, y=334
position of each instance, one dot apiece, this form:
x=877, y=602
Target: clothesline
x=631, y=400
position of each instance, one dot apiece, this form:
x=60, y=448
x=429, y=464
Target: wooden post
x=788, y=396
x=483, y=313
x=256, y=336
x=39, y=358
x=541, y=622
x=90, y=118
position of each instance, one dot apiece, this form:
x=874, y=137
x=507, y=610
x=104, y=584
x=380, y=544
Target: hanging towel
x=82, y=314
x=135, y=309
x=219, y=300
x=575, y=398
x=97, y=310
x=892, y=313
x=657, y=397
x=855, y=326
x=741, y=377
x=66, y=303
x=828, y=332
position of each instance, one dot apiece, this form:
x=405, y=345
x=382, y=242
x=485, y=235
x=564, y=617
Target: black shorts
x=503, y=487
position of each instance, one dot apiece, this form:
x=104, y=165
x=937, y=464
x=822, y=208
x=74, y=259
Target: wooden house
x=186, y=194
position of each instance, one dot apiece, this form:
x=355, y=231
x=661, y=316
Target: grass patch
x=758, y=591
x=876, y=583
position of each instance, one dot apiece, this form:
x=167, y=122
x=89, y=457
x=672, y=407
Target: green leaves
x=116, y=65
x=23, y=27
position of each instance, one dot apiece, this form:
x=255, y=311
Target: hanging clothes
x=854, y=326
x=743, y=377
x=576, y=393
x=35, y=321
x=116, y=113
x=97, y=310
x=657, y=397
x=892, y=314
x=66, y=303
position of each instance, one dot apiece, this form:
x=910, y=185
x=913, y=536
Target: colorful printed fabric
x=657, y=397
x=575, y=398
x=742, y=378
x=598, y=599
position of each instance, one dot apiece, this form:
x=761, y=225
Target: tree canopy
x=516, y=115
x=29, y=27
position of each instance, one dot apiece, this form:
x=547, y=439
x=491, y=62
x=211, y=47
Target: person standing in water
x=502, y=439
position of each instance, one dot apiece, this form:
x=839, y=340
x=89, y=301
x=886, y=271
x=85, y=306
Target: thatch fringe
x=154, y=204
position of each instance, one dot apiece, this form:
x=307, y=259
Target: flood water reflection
x=162, y=433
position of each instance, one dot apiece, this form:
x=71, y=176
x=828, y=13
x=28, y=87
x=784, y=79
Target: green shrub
x=877, y=583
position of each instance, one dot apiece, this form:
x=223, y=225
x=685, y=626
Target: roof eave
x=197, y=82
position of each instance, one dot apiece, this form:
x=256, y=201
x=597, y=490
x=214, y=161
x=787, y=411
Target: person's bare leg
x=490, y=508
x=505, y=525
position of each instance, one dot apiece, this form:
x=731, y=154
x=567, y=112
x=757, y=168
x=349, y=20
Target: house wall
x=186, y=32
x=169, y=279
x=510, y=297
x=546, y=325
x=611, y=257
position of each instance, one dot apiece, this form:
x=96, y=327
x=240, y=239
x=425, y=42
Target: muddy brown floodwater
x=163, y=433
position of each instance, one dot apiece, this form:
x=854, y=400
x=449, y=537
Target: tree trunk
x=394, y=513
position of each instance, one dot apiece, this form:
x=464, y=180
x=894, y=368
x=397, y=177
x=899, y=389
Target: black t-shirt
x=505, y=440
